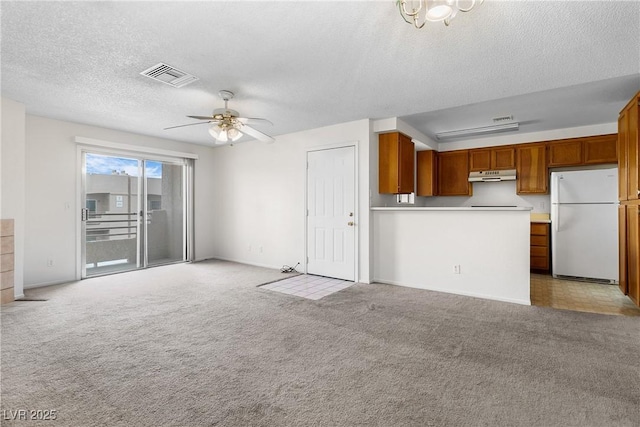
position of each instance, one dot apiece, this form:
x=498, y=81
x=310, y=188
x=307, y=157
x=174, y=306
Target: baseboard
x=240, y=261
x=42, y=285
x=449, y=291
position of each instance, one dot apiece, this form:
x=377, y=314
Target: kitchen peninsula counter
x=463, y=208
x=475, y=251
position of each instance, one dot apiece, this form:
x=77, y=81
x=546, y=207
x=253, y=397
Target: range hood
x=493, y=176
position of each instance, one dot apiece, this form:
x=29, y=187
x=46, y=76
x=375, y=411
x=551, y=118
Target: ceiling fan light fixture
x=234, y=134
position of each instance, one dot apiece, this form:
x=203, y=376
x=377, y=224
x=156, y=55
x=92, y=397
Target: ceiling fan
x=227, y=126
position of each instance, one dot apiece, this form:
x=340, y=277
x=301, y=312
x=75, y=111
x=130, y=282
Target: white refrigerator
x=584, y=224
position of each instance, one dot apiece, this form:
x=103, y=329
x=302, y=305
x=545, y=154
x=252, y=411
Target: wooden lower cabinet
x=629, y=241
x=540, y=258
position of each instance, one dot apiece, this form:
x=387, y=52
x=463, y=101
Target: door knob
x=350, y=223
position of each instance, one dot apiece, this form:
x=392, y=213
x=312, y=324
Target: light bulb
x=214, y=131
x=438, y=10
x=234, y=134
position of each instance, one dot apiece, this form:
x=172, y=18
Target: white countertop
x=465, y=208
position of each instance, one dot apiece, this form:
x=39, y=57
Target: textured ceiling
x=306, y=64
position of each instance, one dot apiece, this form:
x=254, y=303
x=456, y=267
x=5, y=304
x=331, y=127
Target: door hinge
x=84, y=214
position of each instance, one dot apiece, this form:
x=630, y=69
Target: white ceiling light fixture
x=227, y=125
x=419, y=12
x=506, y=127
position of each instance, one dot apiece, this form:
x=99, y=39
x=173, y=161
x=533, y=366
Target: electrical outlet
x=50, y=262
x=260, y=249
x=543, y=206
x=456, y=269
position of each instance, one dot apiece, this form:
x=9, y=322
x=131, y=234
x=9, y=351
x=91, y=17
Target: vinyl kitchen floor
x=308, y=286
x=580, y=296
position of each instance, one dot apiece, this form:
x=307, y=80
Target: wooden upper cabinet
x=479, y=160
x=567, y=153
x=600, y=149
x=453, y=173
x=395, y=164
x=531, y=169
x=492, y=159
x=588, y=150
x=633, y=152
x=623, y=147
x=503, y=158
x=427, y=173
x=629, y=151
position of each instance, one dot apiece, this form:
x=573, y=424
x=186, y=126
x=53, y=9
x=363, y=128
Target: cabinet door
x=539, y=250
x=407, y=165
x=567, y=153
x=480, y=160
x=453, y=173
x=600, y=149
x=503, y=158
x=427, y=173
x=531, y=169
x=622, y=249
x=633, y=252
x=623, y=155
x=395, y=163
x=633, y=152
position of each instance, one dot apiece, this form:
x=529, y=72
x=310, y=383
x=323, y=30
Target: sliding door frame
x=187, y=160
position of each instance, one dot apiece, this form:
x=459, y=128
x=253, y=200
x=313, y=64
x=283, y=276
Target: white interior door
x=331, y=217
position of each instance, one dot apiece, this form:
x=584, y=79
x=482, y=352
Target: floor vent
x=167, y=74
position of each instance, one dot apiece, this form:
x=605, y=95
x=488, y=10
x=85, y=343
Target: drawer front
x=539, y=263
x=539, y=229
x=539, y=251
x=540, y=241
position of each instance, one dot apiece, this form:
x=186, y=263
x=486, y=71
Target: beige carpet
x=201, y=345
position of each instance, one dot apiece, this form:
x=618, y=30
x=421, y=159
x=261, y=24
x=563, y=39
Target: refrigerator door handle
x=556, y=218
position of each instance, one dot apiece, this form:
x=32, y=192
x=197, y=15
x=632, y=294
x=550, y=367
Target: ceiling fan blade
x=256, y=134
x=201, y=117
x=189, y=124
x=253, y=121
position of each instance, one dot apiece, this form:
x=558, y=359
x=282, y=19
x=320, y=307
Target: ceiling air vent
x=502, y=119
x=167, y=74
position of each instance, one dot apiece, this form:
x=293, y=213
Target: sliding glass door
x=165, y=225
x=134, y=213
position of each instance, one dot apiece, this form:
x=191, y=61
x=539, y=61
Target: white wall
x=260, y=197
x=52, y=181
x=419, y=248
x=13, y=181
